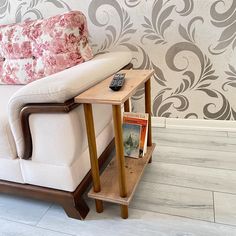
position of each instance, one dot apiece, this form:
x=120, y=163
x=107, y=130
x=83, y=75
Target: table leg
x=127, y=106
x=93, y=153
x=124, y=211
x=148, y=110
x=120, y=156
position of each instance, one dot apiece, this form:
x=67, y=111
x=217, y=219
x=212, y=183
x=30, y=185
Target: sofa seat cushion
x=7, y=143
x=35, y=49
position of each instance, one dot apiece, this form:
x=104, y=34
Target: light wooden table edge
x=80, y=100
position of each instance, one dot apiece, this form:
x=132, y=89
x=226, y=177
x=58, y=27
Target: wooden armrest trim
x=128, y=67
x=34, y=108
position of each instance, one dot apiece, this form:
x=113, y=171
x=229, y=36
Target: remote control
x=117, y=82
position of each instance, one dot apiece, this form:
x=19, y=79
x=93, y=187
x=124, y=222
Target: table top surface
x=102, y=94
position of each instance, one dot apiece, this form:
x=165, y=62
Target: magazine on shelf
x=131, y=139
x=142, y=120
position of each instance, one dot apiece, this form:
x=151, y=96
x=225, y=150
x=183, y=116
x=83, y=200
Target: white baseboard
x=159, y=122
x=194, y=124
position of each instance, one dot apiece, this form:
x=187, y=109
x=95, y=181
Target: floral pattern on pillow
x=35, y=49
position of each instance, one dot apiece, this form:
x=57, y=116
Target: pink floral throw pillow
x=34, y=49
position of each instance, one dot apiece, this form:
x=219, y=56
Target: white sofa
x=58, y=161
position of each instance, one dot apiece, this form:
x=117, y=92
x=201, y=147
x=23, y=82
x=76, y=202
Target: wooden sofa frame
x=72, y=202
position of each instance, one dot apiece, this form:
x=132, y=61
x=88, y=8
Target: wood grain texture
x=88, y=112
x=127, y=106
x=134, y=169
x=124, y=211
x=102, y=94
x=225, y=208
x=232, y=134
x=12, y=208
x=195, y=157
x=192, y=203
x=195, y=132
x=191, y=176
x=148, y=109
x=15, y=228
x=120, y=160
x=140, y=223
x=92, y=146
x=202, y=142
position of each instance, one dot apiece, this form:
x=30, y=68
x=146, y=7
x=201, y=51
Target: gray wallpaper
x=191, y=45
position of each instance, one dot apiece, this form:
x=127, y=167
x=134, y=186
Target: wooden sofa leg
x=77, y=211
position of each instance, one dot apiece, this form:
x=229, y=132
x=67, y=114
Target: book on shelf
x=131, y=139
x=140, y=119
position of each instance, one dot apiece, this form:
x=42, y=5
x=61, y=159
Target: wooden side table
x=119, y=180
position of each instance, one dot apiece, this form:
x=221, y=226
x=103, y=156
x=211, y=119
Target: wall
x=191, y=45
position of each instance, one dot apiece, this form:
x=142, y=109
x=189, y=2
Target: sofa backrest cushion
x=34, y=49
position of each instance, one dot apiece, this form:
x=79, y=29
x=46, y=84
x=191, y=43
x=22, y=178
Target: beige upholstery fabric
x=7, y=144
x=64, y=177
x=63, y=86
x=10, y=170
x=59, y=138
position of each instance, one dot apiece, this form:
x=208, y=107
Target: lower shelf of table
x=134, y=169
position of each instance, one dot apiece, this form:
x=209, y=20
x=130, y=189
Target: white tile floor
x=188, y=190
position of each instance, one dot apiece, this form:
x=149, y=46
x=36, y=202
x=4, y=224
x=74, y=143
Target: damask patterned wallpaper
x=191, y=45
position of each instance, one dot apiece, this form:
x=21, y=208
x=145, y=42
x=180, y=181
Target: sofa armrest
x=38, y=108
x=56, y=92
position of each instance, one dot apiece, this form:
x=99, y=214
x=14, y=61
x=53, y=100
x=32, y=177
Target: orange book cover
x=139, y=119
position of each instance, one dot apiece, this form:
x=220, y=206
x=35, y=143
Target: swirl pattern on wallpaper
x=113, y=37
x=5, y=8
x=227, y=21
x=190, y=82
x=29, y=9
x=231, y=78
x=193, y=58
x=188, y=8
x=133, y=3
x=156, y=27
